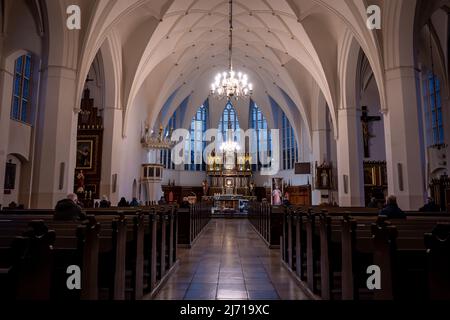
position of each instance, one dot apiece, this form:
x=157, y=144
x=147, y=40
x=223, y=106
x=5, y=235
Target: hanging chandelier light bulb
x=231, y=85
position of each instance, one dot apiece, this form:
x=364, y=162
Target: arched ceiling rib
x=271, y=36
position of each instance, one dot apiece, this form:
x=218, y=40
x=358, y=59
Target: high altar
x=231, y=181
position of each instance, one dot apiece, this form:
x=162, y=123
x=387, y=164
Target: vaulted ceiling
x=302, y=47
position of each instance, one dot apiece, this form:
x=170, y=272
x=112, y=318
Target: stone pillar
x=111, y=154
x=6, y=83
x=404, y=138
x=56, y=138
x=349, y=159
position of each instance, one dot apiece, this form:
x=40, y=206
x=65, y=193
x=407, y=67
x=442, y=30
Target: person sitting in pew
x=185, y=203
x=105, y=203
x=430, y=206
x=392, y=210
x=134, y=203
x=123, y=203
x=162, y=201
x=12, y=205
x=373, y=203
x=69, y=210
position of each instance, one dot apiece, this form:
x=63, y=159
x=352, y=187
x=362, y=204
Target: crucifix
x=366, y=120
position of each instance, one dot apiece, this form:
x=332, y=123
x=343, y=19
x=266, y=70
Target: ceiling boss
x=231, y=85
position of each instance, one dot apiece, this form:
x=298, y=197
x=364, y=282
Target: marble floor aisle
x=230, y=261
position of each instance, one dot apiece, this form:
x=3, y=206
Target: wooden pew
x=342, y=247
x=268, y=223
x=123, y=248
x=190, y=223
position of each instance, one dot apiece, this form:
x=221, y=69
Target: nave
x=229, y=261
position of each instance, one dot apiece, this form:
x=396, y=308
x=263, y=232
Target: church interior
x=224, y=149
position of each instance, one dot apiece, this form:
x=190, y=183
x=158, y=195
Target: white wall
x=19, y=138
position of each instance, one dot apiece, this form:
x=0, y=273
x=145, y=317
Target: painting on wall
x=85, y=150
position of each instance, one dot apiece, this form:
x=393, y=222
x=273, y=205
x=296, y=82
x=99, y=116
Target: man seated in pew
x=162, y=201
x=105, y=203
x=185, y=203
x=430, y=206
x=392, y=210
x=123, y=203
x=12, y=205
x=373, y=203
x=69, y=210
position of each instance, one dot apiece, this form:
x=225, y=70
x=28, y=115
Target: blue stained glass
x=17, y=85
x=15, y=109
x=28, y=67
x=26, y=87
x=19, y=64
x=24, y=115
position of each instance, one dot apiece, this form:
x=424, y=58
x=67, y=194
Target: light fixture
x=231, y=84
x=152, y=141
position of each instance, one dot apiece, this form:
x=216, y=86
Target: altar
x=231, y=184
x=230, y=204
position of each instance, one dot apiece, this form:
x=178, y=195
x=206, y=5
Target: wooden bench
x=267, y=221
x=339, y=246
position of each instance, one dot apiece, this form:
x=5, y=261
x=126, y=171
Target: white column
x=6, y=83
x=56, y=138
x=111, y=154
x=404, y=139
x=349, y=159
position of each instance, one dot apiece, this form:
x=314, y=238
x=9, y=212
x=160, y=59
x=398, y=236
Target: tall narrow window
x=166, y=155
x=433, y=110
x=229, y=119
x=262, y=138
x=21, y=106
x=290, y=146
x=197, y=142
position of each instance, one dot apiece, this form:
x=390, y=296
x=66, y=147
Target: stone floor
x=230, y=261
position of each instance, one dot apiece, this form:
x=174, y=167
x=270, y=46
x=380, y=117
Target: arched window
x=433, y=110
x=21, y=104
x=261, y=137
x=228, y=119
x=197, y=142
x=290, y=147
x=166, y=155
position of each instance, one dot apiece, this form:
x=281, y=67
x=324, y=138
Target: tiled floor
x=230, y=261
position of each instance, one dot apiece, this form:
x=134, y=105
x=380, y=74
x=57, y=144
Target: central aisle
x=230, y=261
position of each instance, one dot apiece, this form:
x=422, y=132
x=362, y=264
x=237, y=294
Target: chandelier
x=152, y=141
x=230, y=146
x=231, y=84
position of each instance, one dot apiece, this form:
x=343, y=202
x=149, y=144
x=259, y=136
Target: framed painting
x=85, y=149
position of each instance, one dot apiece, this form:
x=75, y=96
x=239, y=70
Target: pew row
x=330, y=252
x=122, y=254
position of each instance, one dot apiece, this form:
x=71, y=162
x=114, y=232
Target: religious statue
x=80, y=182
x=365, y=121
x=276, y=196
x=252, y=188
x=205, y=187
x=324, y=177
